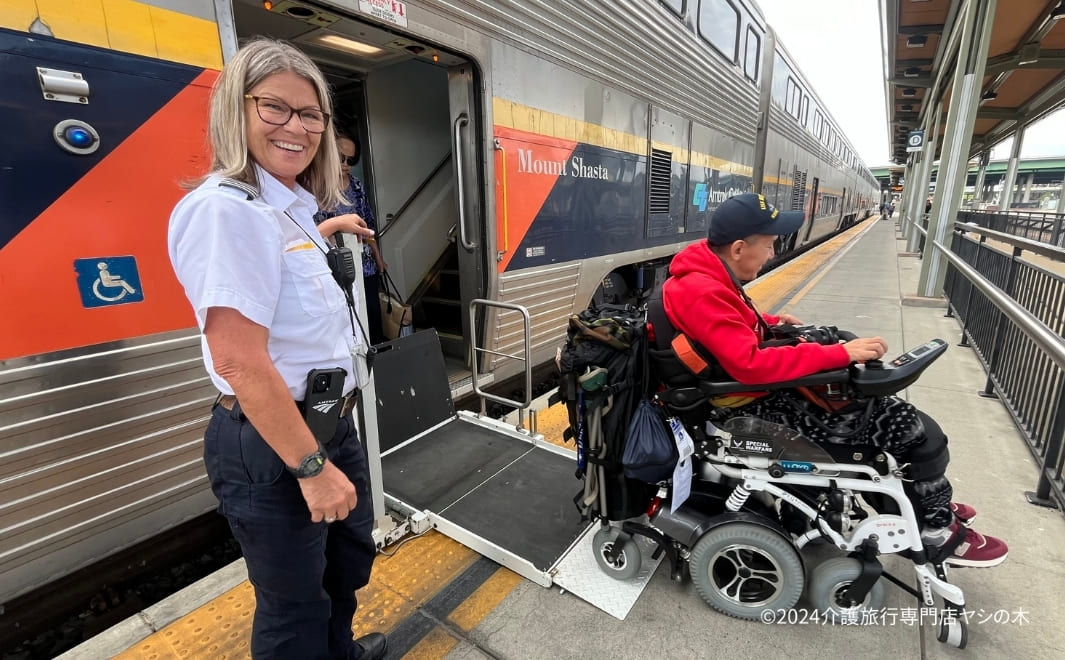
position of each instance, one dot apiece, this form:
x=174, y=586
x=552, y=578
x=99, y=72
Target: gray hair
x=257, y=60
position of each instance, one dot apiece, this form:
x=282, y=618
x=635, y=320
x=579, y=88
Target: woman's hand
x=349, y=223
x=789, y=319
x=330, y=495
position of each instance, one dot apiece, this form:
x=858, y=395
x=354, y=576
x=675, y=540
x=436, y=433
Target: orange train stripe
x=120, y=207
x=518, y=205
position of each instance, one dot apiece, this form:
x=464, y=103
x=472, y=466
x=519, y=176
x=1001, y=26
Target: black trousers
x=305, y=574
x=895, y=426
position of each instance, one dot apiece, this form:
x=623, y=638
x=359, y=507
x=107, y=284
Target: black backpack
x=603, y=378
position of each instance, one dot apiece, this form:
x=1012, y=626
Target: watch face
x=311, y=465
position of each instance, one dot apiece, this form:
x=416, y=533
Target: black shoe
x=374, y=646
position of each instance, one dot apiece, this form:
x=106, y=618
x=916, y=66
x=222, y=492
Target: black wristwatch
x=310, y=465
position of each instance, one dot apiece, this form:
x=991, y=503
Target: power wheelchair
x=760, y=493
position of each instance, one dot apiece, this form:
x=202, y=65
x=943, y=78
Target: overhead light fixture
x=906, y=107
x=989, y=95
x=911, y=72
x=1057, y=12
x=909, y=92
x=917, y=41
x=337, y=42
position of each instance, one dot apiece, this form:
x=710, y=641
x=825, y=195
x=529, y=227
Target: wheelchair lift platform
x=502, y=491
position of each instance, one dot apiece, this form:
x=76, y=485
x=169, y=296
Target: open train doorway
x=413, y=109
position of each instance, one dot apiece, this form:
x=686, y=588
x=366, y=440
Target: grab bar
x=461, y=121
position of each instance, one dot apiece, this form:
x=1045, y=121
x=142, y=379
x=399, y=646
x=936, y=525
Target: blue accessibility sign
x=104, y=281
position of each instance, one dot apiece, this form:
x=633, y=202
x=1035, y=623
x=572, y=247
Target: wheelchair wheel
x=627, y=564
x=953, y=632
x=830, y=579
x=743, y=569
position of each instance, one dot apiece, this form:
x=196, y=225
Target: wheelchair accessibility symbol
x=108, y=281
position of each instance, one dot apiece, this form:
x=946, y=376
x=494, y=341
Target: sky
x=838, y=48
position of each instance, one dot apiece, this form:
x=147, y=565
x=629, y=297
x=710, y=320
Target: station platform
x=435, y=598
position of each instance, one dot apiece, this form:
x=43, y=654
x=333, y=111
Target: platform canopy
x=1024, y=78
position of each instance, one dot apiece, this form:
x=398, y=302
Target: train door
x=813, y=209
x=470, y=244
x=785, y=244
x=414, y=105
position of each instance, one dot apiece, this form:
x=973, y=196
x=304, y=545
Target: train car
x=512, y=153
x=809, y=164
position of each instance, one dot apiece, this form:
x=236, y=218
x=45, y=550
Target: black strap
x=353, y=316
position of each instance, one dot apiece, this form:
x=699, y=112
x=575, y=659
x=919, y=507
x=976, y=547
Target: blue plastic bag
x=650, y=451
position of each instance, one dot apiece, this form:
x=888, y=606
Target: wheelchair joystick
x=874, y=364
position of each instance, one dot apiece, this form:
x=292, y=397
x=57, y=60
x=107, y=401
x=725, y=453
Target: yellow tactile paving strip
x=399, y=585
x=424, y=566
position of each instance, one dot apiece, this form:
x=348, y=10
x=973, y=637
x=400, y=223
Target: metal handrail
x=476, y=350
x=1045, y=339
x=393, y=217
x=1037, y=247
x=1028, y=323
x=461, y=121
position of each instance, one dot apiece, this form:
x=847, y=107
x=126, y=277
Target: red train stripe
x=533, y=165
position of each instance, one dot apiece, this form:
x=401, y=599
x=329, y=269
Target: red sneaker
x=963, y=512
x=978, y=551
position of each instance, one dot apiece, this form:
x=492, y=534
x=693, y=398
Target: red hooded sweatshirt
x=704, y=302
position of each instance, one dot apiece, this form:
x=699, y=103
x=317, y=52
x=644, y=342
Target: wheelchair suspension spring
x=737, y=499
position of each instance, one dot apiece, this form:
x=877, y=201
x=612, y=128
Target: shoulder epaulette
x=249, y=190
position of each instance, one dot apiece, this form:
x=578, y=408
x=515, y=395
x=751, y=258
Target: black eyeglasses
x=279, y=113
x=350, y=160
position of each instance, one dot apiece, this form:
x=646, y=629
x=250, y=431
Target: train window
x=719, y=24
x=677, y=6
x=752, y=51
x=804, y=109
x=792, y=103
x=661, y=170
x=819, y=124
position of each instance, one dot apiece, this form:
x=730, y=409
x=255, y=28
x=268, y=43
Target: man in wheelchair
x=724, y=335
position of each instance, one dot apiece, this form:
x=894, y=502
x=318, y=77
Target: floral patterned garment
x=359, y=204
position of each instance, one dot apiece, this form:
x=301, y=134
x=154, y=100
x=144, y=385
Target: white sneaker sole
x=972, y=563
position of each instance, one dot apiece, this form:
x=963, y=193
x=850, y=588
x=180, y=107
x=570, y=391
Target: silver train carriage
x=515, y=150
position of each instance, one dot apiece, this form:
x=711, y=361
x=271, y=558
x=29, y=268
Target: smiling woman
x=275, y=333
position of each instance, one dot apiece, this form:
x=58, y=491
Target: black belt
x=228, y=401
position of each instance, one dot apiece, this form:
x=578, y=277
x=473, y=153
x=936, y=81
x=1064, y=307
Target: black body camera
x=323, y=402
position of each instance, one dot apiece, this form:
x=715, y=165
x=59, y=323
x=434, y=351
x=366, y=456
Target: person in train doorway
x=255, y=270
x=704, y=299
x=373, y=264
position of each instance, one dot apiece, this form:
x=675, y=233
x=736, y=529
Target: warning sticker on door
x=393, y=11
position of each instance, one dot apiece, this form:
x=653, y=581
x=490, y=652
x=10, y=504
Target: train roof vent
x=661, y=166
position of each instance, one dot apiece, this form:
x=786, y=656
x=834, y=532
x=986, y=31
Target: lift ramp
x=500, y=490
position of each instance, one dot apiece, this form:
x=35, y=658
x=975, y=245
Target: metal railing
x=1035, y=225
x=476, y=352
x=392, y=218
x=1011, y=313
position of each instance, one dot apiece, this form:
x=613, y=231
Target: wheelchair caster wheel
x=828, y=584
x=953, y=632
x=627, y=563
x=743, y=569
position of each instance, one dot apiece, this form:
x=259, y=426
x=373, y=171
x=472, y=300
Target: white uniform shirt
x=250, y=256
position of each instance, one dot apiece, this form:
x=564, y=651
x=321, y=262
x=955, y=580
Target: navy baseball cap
x=744, y=215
